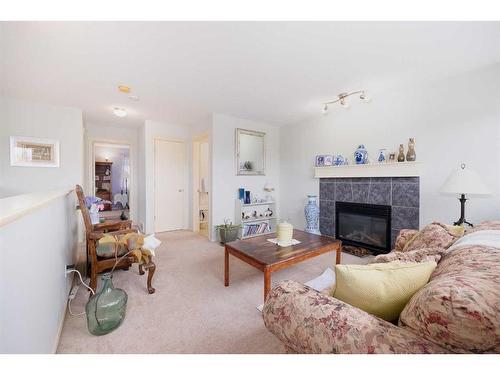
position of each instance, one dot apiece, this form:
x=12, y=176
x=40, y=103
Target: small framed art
x=34, y=152
x=320, y=160
x=324, y=160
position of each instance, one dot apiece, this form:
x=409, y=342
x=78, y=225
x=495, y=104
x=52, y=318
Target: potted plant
x=227, y=232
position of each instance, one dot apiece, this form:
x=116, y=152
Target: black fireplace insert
x=364, y=225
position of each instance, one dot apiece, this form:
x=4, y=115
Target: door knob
x=181, y=190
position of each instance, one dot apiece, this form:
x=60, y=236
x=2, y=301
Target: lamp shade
x=464, y=181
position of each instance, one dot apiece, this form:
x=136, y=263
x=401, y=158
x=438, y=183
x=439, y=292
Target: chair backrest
x=84, y=209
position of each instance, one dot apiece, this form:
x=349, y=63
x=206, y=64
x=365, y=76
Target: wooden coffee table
x=269, y=257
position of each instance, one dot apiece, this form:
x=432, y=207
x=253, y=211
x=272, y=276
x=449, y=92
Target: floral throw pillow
x=403, y=237
x=434, y=235
x=427, y=254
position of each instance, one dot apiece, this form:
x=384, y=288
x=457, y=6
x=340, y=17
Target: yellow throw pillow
x=381, y=289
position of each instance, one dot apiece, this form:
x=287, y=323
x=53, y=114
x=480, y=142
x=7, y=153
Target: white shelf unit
x=261, y=207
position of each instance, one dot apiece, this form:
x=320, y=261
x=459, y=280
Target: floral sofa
x=458, y=311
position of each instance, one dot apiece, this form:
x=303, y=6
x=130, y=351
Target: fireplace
x=364, y=225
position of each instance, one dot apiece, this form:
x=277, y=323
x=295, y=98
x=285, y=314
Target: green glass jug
x=106, y=309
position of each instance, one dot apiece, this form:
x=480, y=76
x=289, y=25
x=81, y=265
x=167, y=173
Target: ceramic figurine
x=382, y=158
x=311, y=212
x=411, y=155
x=268, y=213
x=401, y=155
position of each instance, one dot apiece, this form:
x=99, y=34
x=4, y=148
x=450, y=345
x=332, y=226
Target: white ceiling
x=276, y=72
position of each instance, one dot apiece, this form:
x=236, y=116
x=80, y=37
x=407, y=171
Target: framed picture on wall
x=34, y=152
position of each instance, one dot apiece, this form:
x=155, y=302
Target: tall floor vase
x=106, y=309
x=311, y=212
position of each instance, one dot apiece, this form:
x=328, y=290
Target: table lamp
x=464, y=181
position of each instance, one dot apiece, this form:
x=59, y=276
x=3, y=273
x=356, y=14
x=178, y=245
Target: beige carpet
x=191, y=311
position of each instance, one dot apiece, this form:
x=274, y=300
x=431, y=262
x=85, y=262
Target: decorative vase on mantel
x=411, y=155
x=311, y=212
x=401, y=155
x=361, y=155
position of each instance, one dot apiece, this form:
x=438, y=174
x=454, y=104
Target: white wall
x=225, y=182
x=33, y=286
x=116, y=134
x=454, y=120
x=23, y=118
x=157, y=130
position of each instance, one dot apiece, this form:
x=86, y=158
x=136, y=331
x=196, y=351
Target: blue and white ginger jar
x=361, y=155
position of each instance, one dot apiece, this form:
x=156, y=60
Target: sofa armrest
x=307, y=321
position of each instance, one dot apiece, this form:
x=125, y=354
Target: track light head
x=324, y=110
x=344, y=103
x=364, y=97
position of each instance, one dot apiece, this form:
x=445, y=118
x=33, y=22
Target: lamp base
x=462, y=220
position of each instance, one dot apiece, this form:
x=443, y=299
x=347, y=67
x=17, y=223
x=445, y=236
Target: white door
x=170, y=164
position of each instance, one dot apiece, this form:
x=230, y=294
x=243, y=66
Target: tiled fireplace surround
x=402, y=193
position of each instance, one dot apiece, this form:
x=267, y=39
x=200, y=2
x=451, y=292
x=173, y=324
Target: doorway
x=201, y=184
x=111, y=179
x=170, y=180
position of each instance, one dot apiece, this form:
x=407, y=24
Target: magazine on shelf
x=253, y=229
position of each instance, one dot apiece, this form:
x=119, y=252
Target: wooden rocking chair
x=94, y=232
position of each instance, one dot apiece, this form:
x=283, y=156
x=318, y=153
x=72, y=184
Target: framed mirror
x=250, y=152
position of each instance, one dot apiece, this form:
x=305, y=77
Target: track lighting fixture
x=341, y=98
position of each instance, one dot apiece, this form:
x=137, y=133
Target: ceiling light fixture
x=124, y=89
x=120, y=112
x=341, y=98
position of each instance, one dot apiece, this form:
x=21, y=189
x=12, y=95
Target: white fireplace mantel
x=405, y=169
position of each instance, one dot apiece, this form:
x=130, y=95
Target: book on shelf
x=253, y=229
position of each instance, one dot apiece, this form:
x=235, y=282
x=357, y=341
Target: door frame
x=185, y=222
x=90, y=160
x=203, y=137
